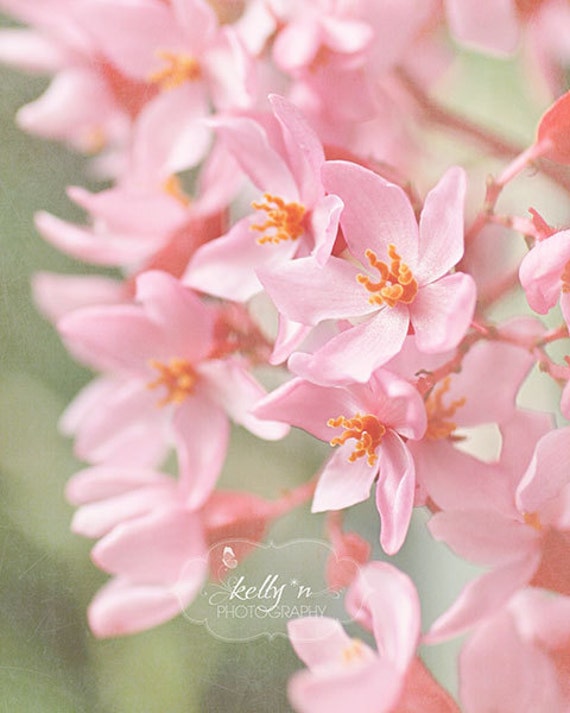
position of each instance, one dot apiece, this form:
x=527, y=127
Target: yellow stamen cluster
x=178, y=377
x=396, y=284
x=284, y=220
x=179, y=68
x=367, y=430
x=353, y=652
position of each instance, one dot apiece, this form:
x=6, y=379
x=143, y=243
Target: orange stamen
x=353, y=652
x=438, y=425
x=179, y=68
x=367, y=430
x=565, y=277
x=173, y=187
x=396, y=284
x=177, y=376
x=284, y=220
x=533, y=520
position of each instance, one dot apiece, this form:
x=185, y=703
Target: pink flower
x=519, y=526
x=369, y=423
x=394, y=276
x=345, y=673
x=162, y=381
x=158, y=551
x=545, y=274
x=283, y=158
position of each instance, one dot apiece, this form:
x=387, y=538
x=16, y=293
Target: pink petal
x=485, y=537
x=250, y=146
x=343, y=483
x=487, y=28
x=548, y=472
x=307, y=292
x=442, y=311
x=499, y=670
x=541, y=270
x=385, y=600
x=112, y=338
x=318, y=641
x=227, y=266
x=441, y=227
x=376, y=213
x=355, y=353
x=102, y=482
x=153, y=549
x=395, y=491
x=201, y=431
x=235, y=389
x=324, y=225
x=187, y=323
x=482, y=598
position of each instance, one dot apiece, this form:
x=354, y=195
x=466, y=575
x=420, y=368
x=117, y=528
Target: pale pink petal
x=441, y=227
x=482, y=598
x=101, y=482
x=153, y=549
x=31, y=52
x=123, y=607
x=376, y=213
x=442, y=311
x=324, y=225
x=490, y=28
x=397, y=403
x=565, y=306
x=343, y=483
x=201, y=432
x=386, y=602
x=125, y=428
x=304, y=150
x=114, y=338
x=234, y=388
x=369, y=687
x=105, y=248
x=541, y=271
x=548, y=472
x=197, y=20
x=499, y=670
x=186, y=322
x=227, y=266
x=250, y=146
x=318, y=641
x=290, y=334
x=58, y=295
x=484, y=536
x=309, y=406
x=307, y=292
x=395, y=491
x=520, y=435
x=296, y=45
x=170, y=134
x=355, y=353
x=151, y=26
x=345, y=35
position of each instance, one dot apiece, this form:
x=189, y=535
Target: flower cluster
x=272, y=200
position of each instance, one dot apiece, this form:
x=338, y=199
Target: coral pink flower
x=293, y=217
x=518, y=526
x=518, y=660
x=369, y=423
x=545, y=274
x=158, y=551
x=394, y=276
x=161, y=382
x=345, y=673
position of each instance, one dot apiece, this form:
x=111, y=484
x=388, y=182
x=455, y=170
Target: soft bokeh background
x=49, y=661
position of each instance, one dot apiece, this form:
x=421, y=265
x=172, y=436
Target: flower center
x=177, y=376
x=366, y=430
x=179, y=68
x=532, y=519
x=284, y=220
x=565, y=277
x=396, y=284
x=353, y=652
x=439, y=426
